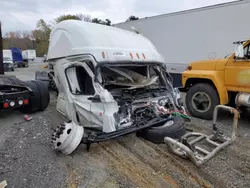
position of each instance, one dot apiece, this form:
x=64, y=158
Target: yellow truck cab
x=219, y=81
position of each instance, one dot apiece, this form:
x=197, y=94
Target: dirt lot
x=27, y=160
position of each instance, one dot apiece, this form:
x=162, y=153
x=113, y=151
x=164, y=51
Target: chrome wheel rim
x=201, y=102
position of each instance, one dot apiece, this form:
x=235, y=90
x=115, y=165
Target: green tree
x=67, y=17
x=132, y=18
x=108, y=22
x=41, y=37
x=99, y=21
x=43, y=26
x=82, y=17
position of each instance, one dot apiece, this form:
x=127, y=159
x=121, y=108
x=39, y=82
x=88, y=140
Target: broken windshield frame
x=160, y=68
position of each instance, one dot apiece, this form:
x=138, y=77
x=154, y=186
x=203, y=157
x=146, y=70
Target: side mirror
x=239, y=50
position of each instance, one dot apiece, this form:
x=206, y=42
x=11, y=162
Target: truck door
x=85, y=98
x=237, y=72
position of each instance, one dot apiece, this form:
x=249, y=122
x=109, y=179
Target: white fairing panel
x=7, y=54
x=72, y=37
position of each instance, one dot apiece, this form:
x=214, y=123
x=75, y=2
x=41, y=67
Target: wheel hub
x=201, y=102
x=66, y=137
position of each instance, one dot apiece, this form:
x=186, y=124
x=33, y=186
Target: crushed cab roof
x=105, y=43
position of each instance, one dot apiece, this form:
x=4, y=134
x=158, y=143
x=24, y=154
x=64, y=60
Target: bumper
x=8, y=67
x=134, y=128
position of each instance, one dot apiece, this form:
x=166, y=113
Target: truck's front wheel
x=201, y=100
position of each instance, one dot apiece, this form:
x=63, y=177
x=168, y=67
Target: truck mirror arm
x=244, y=58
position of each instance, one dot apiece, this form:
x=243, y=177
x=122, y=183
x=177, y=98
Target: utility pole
x=1, y=51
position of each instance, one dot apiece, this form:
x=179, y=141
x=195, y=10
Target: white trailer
x=29, y=55
x=7, y=54
x=197, y=34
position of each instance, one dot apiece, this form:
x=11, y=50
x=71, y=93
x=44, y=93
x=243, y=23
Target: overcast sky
x=23, y=14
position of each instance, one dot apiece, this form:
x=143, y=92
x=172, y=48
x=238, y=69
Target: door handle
x=96, y=98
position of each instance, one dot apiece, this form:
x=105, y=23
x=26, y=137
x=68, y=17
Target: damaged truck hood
x=125, y=95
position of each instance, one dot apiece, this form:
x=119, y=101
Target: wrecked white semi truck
x=110, y=82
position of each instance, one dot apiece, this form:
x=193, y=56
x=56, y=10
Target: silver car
x=8, y=64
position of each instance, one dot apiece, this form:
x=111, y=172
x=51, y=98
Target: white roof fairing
x=73, y=37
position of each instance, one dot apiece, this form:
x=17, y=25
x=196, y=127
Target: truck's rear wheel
x=201, y=100
x=34, y=101
x=44, y=94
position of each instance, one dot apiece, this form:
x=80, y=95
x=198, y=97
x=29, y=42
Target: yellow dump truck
x=219, y=81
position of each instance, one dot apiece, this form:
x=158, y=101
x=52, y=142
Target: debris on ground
x=27, y=118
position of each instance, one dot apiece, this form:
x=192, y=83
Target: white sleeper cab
x=110, y=83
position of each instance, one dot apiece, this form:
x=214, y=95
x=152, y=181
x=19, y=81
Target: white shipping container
x=29, y=54
x=197, y=34
x=7, y=54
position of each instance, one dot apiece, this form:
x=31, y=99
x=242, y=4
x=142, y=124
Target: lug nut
x=62, y=128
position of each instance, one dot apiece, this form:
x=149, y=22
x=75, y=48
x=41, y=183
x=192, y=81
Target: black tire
x=158, y=133
x=19, y=65
x=12, y=69
x=44, y=94
x=212, y=95
x=23, y=65
x=34, y=101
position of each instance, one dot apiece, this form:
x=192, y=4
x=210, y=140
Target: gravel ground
x=27, y=160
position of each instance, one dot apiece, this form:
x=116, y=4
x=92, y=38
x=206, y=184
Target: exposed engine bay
x=142, y=93
x=141, y=107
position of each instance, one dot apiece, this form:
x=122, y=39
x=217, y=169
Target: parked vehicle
x=8, y=64
x=220, y=81
x=120, y=88
x=7, y=54
x=28, y=97
x=203, y=33
x=17, y=57
x=8, y=60
x=28, y=56
x=45, y=58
